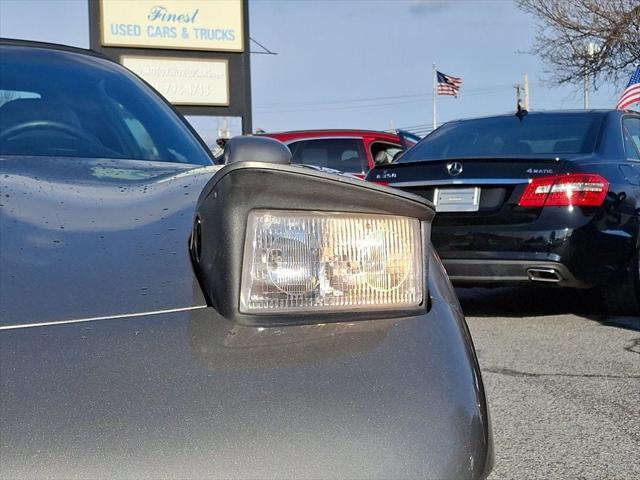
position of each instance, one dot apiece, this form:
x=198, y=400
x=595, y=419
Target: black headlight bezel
x=218, y=239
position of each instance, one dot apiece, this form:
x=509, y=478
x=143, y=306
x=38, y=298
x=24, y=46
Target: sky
x=360, y=63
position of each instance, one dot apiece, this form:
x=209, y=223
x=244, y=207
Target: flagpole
x=435, y=93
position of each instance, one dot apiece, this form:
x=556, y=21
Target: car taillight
x=575, y=189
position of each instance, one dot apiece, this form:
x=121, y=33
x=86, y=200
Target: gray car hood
x=186, y=393
x=84, y=238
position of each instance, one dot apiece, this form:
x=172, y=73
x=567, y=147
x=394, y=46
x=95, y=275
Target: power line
x=420, y=125
x=343, y=101
x=263, y=111
x=265, y=50
x=426, y=96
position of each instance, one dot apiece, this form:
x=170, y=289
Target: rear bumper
x=508, y=272
x=581, y=250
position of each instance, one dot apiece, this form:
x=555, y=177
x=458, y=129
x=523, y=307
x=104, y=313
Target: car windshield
x=509, y=136
x=55, y=103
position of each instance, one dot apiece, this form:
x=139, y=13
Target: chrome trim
x=454, y=168
x=553, y=275
x=109, y=317
x=465, y=181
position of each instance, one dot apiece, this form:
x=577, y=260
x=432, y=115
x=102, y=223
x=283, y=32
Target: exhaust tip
x=546, y=275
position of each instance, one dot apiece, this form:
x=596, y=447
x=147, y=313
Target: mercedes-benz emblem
x=454, y=168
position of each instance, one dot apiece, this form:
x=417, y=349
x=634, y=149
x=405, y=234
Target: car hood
x=188, y=393
x=84, y=238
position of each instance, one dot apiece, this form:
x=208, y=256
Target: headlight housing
x=330, y=261
x=351, y=250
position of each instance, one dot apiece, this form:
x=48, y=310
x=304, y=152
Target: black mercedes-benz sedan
x=544, y=198
x=164, y=317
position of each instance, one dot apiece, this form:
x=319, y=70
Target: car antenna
x=522, y=112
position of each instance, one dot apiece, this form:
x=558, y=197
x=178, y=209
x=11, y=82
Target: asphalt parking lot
x=563, y=383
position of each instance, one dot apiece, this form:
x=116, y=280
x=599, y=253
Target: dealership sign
x=184, y=81
x=194, y=52
x=213, y=25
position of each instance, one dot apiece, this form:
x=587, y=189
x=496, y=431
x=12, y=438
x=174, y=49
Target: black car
x=164, y=317
x=544, y=198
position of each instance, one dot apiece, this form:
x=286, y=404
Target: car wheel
x=624, y=298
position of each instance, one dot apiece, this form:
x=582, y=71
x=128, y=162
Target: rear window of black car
x=506, y=136
x=64, y=104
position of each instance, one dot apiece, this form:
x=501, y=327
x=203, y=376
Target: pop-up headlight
x=276, y=244
x=328, y=261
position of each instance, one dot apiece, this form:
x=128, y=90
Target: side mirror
x=256, y=149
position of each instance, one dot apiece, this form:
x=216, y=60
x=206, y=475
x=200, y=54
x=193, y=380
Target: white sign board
x=214, y=25
x=184, y=81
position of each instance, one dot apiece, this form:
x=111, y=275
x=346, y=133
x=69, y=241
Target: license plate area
x=457, y=199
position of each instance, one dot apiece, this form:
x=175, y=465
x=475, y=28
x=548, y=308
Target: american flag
x=631, y=94
x=448, y=85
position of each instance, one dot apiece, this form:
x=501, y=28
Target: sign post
x=194, y=52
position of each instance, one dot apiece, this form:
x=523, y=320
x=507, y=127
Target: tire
x=624, y=298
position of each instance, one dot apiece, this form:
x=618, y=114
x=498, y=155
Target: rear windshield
x=541, y=134
x=65, y=104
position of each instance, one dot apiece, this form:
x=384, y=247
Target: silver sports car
x=165, y=317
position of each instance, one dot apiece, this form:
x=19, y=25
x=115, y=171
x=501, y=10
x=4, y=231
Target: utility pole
x=223, y=128
x=591, y=50
x=586, y=88
x=526, y=92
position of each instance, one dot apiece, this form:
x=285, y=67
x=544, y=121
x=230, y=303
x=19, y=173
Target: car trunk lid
x=472, y=190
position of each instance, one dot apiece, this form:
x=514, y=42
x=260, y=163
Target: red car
x=349, y=151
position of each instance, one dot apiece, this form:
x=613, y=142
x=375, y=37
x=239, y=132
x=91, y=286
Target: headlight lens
x=325, y=261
